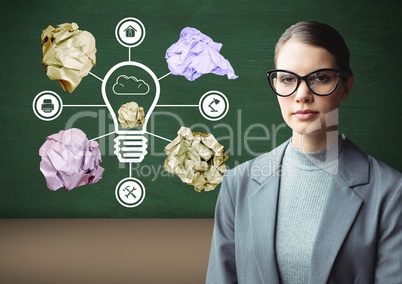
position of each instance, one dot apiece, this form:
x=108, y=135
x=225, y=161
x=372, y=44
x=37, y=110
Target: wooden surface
x=106, y=251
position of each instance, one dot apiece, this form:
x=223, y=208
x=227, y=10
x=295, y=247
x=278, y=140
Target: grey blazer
x=359, y=238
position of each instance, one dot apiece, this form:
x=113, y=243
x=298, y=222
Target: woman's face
x=303, y=108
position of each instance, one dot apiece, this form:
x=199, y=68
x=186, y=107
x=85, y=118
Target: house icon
x=130, y=31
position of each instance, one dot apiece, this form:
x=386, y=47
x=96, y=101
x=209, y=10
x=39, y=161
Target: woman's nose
x=303, y=93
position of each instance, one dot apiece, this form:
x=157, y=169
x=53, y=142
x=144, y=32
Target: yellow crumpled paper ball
x=131, y=115
x=68, y=54
x=197, y=159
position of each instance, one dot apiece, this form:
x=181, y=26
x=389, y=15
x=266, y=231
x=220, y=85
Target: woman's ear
x=347, y=87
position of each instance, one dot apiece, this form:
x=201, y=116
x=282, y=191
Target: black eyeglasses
x=322, y=82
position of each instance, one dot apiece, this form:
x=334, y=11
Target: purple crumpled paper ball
x=195, y=54
x=70, y=160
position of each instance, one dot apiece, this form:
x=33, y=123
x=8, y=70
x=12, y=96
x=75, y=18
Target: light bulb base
x=130, y=148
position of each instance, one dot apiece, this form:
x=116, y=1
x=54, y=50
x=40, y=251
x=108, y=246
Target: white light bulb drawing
x=130, y=145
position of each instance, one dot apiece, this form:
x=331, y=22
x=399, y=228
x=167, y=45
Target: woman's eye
x=287, y=80
x=319, y=78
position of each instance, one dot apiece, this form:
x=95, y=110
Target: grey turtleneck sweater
x=303, y=191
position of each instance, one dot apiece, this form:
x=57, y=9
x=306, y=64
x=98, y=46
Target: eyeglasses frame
x=340, y=74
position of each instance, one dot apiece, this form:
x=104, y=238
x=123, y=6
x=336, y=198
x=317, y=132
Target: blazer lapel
x=340, y=211
x=262, y=211
x=338, y=216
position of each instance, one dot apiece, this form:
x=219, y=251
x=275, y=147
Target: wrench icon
x=130, y=192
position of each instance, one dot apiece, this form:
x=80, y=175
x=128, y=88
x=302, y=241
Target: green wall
x=371, y=116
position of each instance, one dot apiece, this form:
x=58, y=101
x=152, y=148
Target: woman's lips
x=305, y=114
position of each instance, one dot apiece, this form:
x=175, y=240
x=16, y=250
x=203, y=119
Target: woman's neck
x=314, y=142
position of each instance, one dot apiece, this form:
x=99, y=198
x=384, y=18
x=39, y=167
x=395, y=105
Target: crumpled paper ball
x=131, y=115
x=195, y=54
x=69, y=160
x=197, y=159
x=68, y=54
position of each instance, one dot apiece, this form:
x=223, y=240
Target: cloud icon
x=130, y=85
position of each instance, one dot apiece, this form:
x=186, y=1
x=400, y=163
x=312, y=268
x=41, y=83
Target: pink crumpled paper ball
x=69, y=160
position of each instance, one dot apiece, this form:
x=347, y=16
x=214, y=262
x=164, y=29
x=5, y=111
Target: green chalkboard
x=248, y=30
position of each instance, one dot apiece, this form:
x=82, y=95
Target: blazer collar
x=268, y=165
x=340, y=210
x=354, y=166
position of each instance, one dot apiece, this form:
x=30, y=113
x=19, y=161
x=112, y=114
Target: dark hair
x=318, y=34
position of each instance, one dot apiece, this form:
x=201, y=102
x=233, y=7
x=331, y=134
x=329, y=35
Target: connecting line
x=96, y=76
x=160, y=137
x=164, y=76
x=177, y=106
x=102, y=136
x=84, y=105
x=129, y=54
x=130, y=167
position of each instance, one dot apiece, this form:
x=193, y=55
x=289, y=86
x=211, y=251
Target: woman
x=316, y=209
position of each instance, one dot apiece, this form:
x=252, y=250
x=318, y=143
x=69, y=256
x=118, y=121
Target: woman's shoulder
x=382, y=170
x=360, y=161
x=370, y=178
